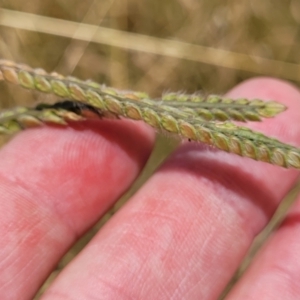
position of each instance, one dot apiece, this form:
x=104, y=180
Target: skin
x=181, y=236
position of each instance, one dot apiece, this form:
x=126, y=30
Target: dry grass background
x=155, y=46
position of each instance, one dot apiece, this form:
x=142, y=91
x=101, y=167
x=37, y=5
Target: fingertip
x=267, y=88
x=56, y=183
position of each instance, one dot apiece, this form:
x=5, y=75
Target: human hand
x=182, y=236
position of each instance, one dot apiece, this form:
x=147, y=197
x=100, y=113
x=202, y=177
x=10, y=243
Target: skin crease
x=181, y=236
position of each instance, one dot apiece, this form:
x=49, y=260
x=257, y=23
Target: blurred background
x=152, y=46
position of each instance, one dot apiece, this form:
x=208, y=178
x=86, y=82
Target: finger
x=183, y=235
x=56, y=183
x=275, y=272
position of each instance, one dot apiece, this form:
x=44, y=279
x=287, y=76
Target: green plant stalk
x=190, y=116
x=207, y=108
x=16, y=119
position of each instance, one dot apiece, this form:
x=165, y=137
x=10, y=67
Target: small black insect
x=70, y=105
